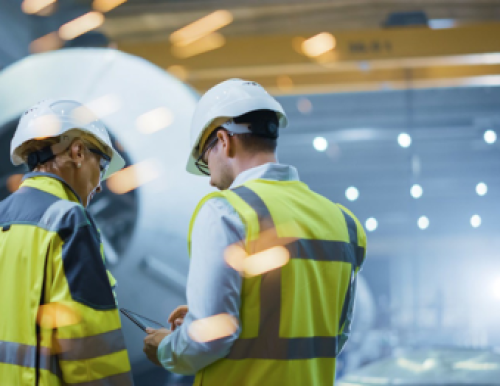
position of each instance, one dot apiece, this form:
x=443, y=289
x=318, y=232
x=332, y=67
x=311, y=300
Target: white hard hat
x=229, y=99
x=52, y=118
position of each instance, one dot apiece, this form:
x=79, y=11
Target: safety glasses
x=104, y=161
x=202, y=163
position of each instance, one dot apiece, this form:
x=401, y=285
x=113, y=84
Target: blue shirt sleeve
x=213, y=287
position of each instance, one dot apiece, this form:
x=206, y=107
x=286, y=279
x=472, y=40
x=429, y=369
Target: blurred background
x=394, y=111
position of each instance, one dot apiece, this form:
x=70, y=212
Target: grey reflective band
x=91, y=346
x=285, y=348
x=123, y=379
x=24, y=355
x=351, y=252
x=268, y=344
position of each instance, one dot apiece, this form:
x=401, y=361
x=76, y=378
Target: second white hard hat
x=229, y=99
x=52, y=118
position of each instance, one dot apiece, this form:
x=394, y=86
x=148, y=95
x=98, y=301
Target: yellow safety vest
x=59, y=321
x=295, y=319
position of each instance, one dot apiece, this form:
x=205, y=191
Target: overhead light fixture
x=318, y=44
x=423, y=222
x=352, y=193
x=416, y=191
x=200, y=28
x=490, y=137
x=81, y=25
x=475, y=221
x=404, y=140
x=442, y=23
x=371, y=224
x=207, y=43
x=320, y=144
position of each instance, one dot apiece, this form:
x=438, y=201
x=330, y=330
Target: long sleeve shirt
x=213, y=287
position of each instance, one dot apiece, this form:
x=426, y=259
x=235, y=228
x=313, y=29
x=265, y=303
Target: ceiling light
x=490, y=137
x=481, y=189
x=416, y=191
x=475, y=221
x=404, y=140
x=371, y=224
x=320, y=143
x=201, y=27
x=319, y=44
x=352, y=193
x=423, y=222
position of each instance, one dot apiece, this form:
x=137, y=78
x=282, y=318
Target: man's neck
x=254, y=161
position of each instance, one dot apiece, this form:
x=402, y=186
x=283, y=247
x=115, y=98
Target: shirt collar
x=268, y=171
x=52, y=184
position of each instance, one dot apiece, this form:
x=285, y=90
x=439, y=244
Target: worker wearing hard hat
x=60, y=323
x=291, y=295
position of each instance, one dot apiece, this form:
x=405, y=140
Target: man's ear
x=226, y=143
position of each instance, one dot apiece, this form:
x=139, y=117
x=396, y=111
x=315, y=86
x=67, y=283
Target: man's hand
x=176, y=318
x=152, y=341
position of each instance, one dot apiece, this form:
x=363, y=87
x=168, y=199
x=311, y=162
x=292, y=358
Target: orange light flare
x=284, y=83
x=97, y=108
x=272, y=254
x=154, y=120
x=133, y=177
x=81, y=25
x=55, y=315
x=32, y=7
x=212, y=328
x=14, y=181
x=106, y=5
x=46, y=126
x=48, y=42
x=180, y=72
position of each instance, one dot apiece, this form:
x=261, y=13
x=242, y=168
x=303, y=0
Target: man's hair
x=264, y=125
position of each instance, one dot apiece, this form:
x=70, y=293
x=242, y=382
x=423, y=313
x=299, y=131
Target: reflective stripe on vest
x=91, y=346
x=24, y=355
x=268, y=344
x=123, y=379
x=77, y=349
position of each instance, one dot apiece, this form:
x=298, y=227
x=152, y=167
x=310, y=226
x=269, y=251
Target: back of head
x=229, y=100
x=263, y=126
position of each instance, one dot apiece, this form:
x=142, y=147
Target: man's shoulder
x=217, y=204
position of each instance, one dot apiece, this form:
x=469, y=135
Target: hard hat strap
x=47, y=153
x=40, y=157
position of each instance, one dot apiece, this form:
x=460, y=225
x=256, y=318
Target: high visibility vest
x=295, y=319
x=59, y=322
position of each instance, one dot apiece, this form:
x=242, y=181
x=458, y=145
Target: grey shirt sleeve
x=213, y=287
